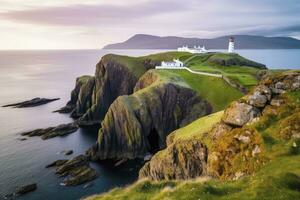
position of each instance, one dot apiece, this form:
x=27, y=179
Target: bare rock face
x=238, y=114
x=114, y=76
x=83, y=86
x=181, y=160
x=137, y=124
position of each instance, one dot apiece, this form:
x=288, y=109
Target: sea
x=50, y=74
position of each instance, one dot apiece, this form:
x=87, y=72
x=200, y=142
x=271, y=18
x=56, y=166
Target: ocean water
x=28, y=74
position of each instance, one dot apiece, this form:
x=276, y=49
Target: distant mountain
x=142, y=41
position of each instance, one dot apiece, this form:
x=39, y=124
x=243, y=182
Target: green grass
x=197, y=127
x=277, y=180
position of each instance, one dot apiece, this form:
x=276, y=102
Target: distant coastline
x=143, y=41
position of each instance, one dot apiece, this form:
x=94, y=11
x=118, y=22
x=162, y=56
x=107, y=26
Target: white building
x=231, y=45
x=175, y=64
x=196, y=49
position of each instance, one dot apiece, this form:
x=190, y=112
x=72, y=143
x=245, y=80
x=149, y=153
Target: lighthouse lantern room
x=231, y=45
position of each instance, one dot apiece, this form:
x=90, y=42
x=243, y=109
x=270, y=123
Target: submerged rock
x=69, y=152
x=25, y=189
x=61, y=130
x=56, y=163
x=31, y=103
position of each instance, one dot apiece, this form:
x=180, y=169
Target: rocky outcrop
x=115, y=76
x=61, y=130
x=81, y=97
x=76, y=170
x=232, y=148
x=233, y=59
x=181, y=160
x=138, y=124
x=31, y=103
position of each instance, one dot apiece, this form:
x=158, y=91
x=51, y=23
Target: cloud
x=93, y=14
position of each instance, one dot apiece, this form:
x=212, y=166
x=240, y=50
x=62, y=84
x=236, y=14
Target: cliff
x=138, y=124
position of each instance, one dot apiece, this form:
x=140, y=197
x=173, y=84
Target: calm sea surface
x=28, y=74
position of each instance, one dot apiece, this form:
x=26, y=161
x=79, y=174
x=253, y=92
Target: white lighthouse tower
x=231, y=45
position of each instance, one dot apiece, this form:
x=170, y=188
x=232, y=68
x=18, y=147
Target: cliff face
x=234, y=146
x=139, y=123
x=114, y=76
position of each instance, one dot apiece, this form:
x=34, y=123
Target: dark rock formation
x=31, y=103
x=81, y=97
x=69, y=152
x=76, y=170
x=25, y=189
x=137, y=124
x=61, y=130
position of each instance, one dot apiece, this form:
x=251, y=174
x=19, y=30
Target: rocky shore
x=76, y=171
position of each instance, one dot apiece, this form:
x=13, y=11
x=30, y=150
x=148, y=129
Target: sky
x=91, y=24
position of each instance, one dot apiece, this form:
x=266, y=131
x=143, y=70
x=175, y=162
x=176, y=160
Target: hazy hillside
x=141, y=41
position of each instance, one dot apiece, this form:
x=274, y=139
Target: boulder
x=257, y=100
x=181, y=160
x=238, y=114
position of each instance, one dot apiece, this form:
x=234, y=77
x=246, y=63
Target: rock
x=75, y=96
x=256, y=151
x=56, y=163
x=257, y=100
x=276, y=102
x=88, y=185
x=70, y=164
x=238, y=175
x=69, y=152
x=219, y=130
x=80, y=175
x=31, y=103
x=120, y=162
x=25, y=189
x=61, y=130
x=92, y=96
x=277, y=91
x=22, y=139
x=76, y=170
x=181, y=160
x=243, y=139
x=148, y=157
x=238, y=114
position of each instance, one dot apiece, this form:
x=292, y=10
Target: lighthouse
x=231, y=45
